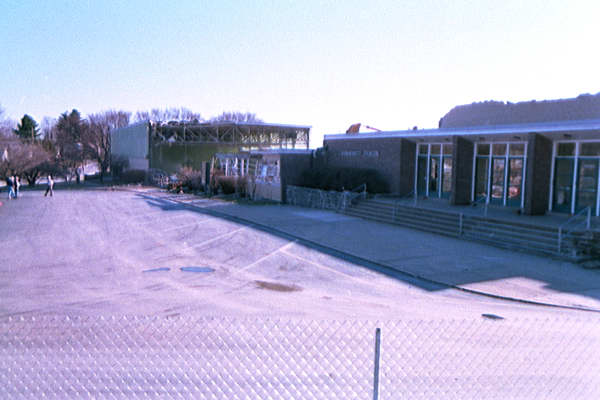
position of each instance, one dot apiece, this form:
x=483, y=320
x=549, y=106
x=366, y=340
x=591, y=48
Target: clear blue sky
x=389, y=64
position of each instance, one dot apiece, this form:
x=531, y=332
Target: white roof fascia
x=566, y=126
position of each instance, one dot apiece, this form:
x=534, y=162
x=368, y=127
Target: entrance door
x=447, y=176
x=422, y=176
x=563, y=184
x=587, y=184
x=481, y=177
x=515, y=181
x=497, y=189
x=434, y=177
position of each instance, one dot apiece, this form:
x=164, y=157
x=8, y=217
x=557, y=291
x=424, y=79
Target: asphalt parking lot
x=98, y=252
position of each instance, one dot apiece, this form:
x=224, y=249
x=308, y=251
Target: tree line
x=63, y=146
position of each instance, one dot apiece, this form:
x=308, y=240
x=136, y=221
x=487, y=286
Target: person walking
x=11, y=187
x=17, y=185
x=50, y=186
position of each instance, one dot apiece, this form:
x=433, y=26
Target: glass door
x=563, y=184
x=515, y=181
x=497, y=189
x=481, y=177
x=587, y=184
x=422, y=176
x=434, y=176
x=447, y=176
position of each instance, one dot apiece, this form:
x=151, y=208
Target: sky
x=328, y=64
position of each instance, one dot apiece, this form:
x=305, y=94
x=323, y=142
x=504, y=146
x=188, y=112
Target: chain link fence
x=210, y=358
x=315, y=198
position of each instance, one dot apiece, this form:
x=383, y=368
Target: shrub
x=227, y=184
x=241, y=186
x=118, y=165
x=133, y=176
x=343, y=178
x=190, y=178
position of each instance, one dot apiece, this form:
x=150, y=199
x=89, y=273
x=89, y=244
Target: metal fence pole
x=460, y=224
x=559, y=239
x=376, y=367
x=589, y=217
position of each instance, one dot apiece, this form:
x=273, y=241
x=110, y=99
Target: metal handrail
x=351, y=195
x=362, y=188
x=485, y=207
x=587, y=210
x=563, y=232
x=412, y=193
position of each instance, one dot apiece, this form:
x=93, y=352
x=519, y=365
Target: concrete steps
x=512, y=235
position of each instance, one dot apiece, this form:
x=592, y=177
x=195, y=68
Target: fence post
x=376, y=366
x=589, y=217
x=559, y=239
x=460, y=224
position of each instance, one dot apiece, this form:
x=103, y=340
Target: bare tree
x=48, y=128
x=96, y=138
x=23, y=159
x=6, y=125
x=236, y=116
x=168, y=114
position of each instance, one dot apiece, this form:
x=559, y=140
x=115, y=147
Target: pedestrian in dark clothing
x=11, y=187
x=50, y=186
x=17, y=181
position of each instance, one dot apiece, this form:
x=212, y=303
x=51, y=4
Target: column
x=406, y=177
x=537, y=176
x=462, y=171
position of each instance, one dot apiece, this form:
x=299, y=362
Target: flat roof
x=555, y=129
x=176, y=124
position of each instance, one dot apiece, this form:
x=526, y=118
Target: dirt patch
x=278, y=287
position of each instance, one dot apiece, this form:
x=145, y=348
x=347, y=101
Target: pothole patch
x=492, y=317
x=162, y=269
x=197, y=269
x=277, y=287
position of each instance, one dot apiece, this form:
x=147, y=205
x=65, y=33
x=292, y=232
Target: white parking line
x=219, y=237
x=358, y=279
x=179, y=227
x=282, y=248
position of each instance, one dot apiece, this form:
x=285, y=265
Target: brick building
x=514, y=155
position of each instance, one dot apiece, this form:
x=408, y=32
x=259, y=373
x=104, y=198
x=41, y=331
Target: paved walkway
x=459, y=263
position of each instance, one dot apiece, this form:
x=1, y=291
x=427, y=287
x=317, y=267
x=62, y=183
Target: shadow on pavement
x=527, y=278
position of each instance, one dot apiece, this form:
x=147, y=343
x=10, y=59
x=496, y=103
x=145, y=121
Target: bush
x=118, y=165
x=343, y=179
x=227, y=184
x=133, y=176
x=232, y=184
x=190, y=178
x=241, y=186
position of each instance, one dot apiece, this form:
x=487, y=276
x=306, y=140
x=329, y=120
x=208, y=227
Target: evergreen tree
x=27, y=129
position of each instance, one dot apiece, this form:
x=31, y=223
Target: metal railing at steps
x=565, y=232
x=485, y=204
x=398, y=203
x=350, y=196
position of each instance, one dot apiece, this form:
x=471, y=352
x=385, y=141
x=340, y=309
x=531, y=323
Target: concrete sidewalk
x=453, y=262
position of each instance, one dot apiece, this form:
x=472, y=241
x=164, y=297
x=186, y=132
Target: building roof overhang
x=560, y=130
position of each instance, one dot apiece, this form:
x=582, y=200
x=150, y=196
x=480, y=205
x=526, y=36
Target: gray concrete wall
x=462, y=171
x=132, y=143
x=537, y=184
